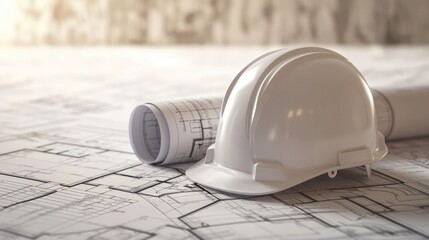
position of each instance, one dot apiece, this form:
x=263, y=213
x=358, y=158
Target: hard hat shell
x=287, y=117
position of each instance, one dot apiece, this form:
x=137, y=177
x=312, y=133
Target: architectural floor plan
x=67, y=170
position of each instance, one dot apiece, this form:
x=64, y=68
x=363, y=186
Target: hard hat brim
x=220, y=178
x=217, y=177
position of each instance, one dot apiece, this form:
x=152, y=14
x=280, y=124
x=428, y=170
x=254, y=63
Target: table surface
x=67, y=170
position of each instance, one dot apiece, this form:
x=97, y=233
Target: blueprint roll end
x=148, y=132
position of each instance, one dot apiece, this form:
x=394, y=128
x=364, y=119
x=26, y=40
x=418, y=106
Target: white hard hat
x=287, y=117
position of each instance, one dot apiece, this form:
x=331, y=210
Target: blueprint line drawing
x=67, y=169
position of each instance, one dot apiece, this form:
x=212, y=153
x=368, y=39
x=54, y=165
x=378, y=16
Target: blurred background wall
x=111, y=22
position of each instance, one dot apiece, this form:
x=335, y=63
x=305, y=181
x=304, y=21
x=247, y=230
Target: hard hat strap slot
x=209, y=155
x=268, y=171
x=356, y=156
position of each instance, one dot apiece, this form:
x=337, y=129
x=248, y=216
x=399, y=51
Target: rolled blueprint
x=182, y=130
x=174, y=131
x=402, y=112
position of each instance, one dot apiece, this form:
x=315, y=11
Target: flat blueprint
x=67, y=170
